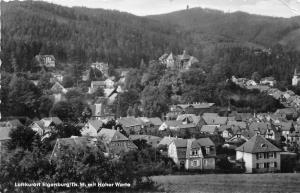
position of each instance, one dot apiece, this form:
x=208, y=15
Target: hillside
x=237, y=26
x=94, y=34
x=84, y=35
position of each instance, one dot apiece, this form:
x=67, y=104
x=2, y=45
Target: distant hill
x=86, y=35
x=237, y=26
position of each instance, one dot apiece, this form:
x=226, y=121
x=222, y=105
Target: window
x=207, y=150
x=275, y=164
x=260, y=155
x=205, y=163
x=266, y=165
x=257, y=166
x=195, y=163
x=194, y=152
x=257, y=156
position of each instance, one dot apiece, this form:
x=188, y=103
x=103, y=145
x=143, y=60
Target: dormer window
x=207, y=150
x=194, y=152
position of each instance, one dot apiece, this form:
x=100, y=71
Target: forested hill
x=80, y=33
x=86, y=35
x=238, y=26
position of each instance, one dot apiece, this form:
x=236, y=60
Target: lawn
x=231, y=183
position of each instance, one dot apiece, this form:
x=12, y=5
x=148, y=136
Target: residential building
x=296, y=78
x=167, y=140
x=4, y=138
x=192, y=154
x=116, y=142
x=102, y=67
x=180, y=62
x=45, y=125
x=259, y=155
x=131, y=125
x=96, y=85
x=58, y=92
x=91, y=128
x=45, y=60
x=268, y=81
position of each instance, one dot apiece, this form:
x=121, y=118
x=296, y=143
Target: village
x=195, y=136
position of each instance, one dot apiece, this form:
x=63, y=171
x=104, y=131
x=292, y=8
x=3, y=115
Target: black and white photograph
x=150, y=96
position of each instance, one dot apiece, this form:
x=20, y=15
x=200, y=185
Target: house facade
x=192, y=154
x=116, y=142
x=45, y=60
x=296, y=78
x=259, y=155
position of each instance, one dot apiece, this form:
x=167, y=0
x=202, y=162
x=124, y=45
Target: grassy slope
x=218, y=183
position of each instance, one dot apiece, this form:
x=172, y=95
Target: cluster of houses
x=287, y=98
x=191, y=134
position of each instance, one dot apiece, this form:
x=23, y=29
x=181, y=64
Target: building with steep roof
x=180, y=62
x=45, y=60
x=259, y=155
x=193, y=154
x=116, y=141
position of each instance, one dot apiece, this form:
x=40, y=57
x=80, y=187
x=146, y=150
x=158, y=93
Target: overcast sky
x=280, y=8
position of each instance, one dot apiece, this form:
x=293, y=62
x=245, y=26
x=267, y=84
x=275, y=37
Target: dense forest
x=86, y=35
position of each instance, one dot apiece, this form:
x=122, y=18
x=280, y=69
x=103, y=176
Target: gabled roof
x=173, y=123
x=48, y=120
x=180, y=143
x=240, y=124
x=167, y=140
x=209, y=128
x=258, y=144
x=203, y=142
x=262, y=127
x=285, y=126
x=196, y=105
x=215, y=120
x=110, y=135
x=145, y=137
x=38, y=123
x=155, y=121
x=190, y=118
x=129, y=121
x=97, y=124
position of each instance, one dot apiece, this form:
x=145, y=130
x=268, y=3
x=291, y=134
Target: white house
x=296, y=78
x=193, y=154
x=259, y=155
x=268, y=81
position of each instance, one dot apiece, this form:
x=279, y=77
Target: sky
x=277, y=8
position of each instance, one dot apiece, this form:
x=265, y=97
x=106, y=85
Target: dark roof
x=203, y=142
x=129, y=121
x=258, y=144
x=180, y=142
x=155, y=121
x=262, y=127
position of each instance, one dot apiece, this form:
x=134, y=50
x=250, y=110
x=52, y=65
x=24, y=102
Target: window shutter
x=257, y=157
x=275, y=155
